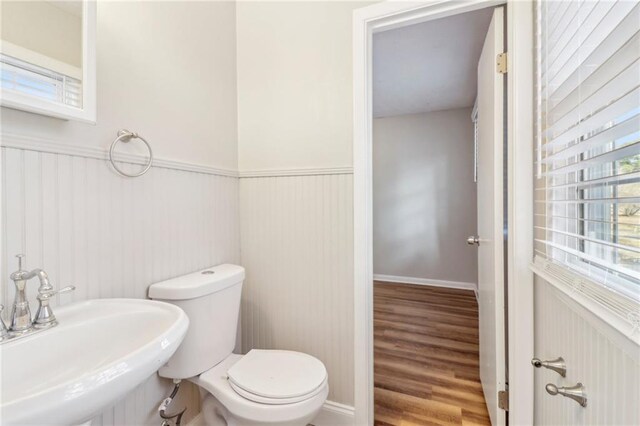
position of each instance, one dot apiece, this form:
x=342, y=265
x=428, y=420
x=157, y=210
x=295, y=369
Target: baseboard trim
x=335, y=414
x=425, y=281
x=331, y=414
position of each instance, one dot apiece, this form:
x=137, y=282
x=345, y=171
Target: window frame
x=87, y=113
x=606, y=291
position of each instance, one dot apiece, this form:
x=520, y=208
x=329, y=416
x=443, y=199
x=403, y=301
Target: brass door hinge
x=503, y=400
x=501, y=63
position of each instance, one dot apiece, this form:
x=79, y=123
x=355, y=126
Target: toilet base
x=215, y=414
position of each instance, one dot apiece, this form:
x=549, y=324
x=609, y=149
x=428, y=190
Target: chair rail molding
x=316, y=171
x=52, y=146
x=41, y=144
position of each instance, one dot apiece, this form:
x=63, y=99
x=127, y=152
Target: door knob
x=558, y=365
x=576, y=392
x=473, y=240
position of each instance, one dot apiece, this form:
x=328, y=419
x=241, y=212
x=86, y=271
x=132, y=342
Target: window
x=587, y=216
x=32, y=80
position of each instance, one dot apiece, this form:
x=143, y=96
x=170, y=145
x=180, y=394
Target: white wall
x=424, y=197
x=294, y=84
x=166, y=70
x=176, y=87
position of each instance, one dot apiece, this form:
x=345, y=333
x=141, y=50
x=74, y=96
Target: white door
x=490, y=219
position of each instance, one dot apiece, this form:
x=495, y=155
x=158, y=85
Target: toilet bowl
x=222, y=404
x=263, y=387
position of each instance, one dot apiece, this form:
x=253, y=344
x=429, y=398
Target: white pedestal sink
x=101, y=350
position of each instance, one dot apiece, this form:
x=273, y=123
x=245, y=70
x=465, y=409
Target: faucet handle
x=49, y=293
x=20, y=273
x=20, y=257
x=44, y=315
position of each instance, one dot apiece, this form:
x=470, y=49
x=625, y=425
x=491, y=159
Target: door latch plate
x=503, y=400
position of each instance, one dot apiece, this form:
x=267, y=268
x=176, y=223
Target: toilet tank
x=211, y=300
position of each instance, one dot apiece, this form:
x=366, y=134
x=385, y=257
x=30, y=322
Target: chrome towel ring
x=125, y=136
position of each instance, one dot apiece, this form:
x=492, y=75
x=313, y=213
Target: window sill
x=619, y=312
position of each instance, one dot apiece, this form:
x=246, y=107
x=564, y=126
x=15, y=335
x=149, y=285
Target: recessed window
x=588, y=186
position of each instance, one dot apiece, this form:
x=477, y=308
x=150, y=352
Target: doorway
x=431, y=155
x=519, y=81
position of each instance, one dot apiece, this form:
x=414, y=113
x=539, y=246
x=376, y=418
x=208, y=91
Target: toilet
x=263, y=387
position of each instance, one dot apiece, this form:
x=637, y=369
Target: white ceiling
x=429, y=66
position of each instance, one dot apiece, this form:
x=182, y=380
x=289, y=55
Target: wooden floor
x=426, y=356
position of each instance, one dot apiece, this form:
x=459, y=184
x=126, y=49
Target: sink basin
x=100, y=350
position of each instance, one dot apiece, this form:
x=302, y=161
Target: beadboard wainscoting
x=112, y=237
x=297, y=247
x=606, y=362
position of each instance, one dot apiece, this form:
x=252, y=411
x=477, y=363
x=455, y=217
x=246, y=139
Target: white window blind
x=32, y=80
x=587, y=195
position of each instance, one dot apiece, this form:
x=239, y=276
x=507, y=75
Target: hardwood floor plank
x=413, y=349
x=462, y=370
x=462, y=334
x=406, y=386
x=437, y=412
x=430, y=340
x=426, y=357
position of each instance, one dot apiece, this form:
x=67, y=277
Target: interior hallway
x=426, y=356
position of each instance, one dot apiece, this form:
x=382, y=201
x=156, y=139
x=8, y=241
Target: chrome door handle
x=576, y=392
x=473, y=240
x=558, y=365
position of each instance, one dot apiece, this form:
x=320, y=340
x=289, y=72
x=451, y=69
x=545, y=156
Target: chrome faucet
x=21, y=322
x=20, y=312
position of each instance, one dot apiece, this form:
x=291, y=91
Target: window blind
x=587, y=195
x=25, y=78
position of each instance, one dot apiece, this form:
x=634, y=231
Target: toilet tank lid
x=198, y=284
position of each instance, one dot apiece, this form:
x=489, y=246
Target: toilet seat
x=215, y=383
x=277, y=377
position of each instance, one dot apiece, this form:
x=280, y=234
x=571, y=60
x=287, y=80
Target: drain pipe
x=162, y=409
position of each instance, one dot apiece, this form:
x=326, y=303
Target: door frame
x=392, y=14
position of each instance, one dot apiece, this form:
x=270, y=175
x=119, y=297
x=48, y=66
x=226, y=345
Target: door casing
x=520, y=33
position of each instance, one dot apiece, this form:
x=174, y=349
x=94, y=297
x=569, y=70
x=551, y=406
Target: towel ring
x=125, y=136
